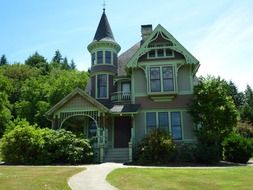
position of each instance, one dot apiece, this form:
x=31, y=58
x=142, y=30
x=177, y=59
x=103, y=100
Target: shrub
x=27, y=144
x=208, y=150
x=237, y=148
x=186, y=152
x=157, y=147
x=23, y=145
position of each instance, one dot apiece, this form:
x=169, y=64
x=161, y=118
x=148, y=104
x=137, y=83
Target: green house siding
x=188, y=127
x=184, y=79
x=140, y=84
x=140, y=126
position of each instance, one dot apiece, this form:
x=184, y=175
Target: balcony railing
x=121, y=97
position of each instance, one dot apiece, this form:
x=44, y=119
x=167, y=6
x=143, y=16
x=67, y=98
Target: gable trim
x=190, y=59
x=82, y=93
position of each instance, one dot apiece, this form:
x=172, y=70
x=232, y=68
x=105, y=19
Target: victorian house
x=148, y=86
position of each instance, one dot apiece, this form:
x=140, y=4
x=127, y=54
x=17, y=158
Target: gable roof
x=124, y=58
x=176, y=46
x=71, y=95
x=104, y=31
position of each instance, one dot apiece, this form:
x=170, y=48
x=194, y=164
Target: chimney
x=146, y=30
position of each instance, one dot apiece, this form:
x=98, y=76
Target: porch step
x=117, y=155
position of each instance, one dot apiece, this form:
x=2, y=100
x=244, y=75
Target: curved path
x=93, y=178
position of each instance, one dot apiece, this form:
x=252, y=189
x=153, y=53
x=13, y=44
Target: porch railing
x=121, y=96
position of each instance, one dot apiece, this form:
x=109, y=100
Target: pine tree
x=3, y=60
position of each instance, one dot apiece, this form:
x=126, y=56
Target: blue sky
x=219, y=33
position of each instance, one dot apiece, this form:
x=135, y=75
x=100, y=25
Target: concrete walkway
x=93, y=178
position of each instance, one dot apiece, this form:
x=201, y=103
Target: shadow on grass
x=191, y=164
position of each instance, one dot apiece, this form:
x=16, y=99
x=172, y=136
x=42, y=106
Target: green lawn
x=182, y=178
x=35, y=178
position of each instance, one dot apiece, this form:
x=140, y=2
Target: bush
x=208, y=150
x=237, y=148
x=156, y=148
x=27, y=144
x=186, y=152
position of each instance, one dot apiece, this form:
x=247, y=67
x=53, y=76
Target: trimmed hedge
x=237, y=148
x=26, y=144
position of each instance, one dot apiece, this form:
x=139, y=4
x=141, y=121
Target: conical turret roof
x=104, y=31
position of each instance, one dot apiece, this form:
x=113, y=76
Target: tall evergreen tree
x=247, y=108
x=72, y=65
x=3, y=60
x=57, y=57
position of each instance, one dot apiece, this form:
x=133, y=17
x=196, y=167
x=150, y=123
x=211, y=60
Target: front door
x=122, y=131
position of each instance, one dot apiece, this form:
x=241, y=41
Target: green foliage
x=27, y=144
x=186, y=152
x=3, y=60
x=156, y=147
x=5, y=113
x=238, y=97
x=237, y=148
x=245, y=129
x=247, y=108
x=214, y=110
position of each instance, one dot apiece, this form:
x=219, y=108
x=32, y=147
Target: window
x=115, y=59
x=150, y=121
x=102, y=86
x=93, y=58
x=108, y=57
x=155, y=81
x=168, y=84
x=160, y=51
x=163, y=120
x=161, y=79
x=176, y=128
x=99, y=57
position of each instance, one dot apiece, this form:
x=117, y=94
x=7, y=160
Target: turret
x=104, y=57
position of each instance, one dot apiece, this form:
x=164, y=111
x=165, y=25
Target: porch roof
x=125, y=109
x=82, y=93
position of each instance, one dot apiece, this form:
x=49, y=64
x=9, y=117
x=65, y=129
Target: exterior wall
x=140, y=86
x=139, y=126
x=180, y=101
x=184, y=80
x=104, y=68
x=188, y=127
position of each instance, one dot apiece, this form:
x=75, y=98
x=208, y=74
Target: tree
x=72, y=65
x=57, y=57
x=36, y=60
x=237, y=96
x=213, y=109
x=247, y=108
x=65, y=64
x=3, y=60
x=5, y=113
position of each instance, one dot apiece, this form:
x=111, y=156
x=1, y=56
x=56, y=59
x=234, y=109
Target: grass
x=182, y=178
x=36, y=178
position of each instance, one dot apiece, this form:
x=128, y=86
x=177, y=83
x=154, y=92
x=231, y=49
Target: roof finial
x=104, y=4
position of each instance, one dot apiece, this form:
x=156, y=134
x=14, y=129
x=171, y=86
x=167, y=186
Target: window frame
x=97, y=91
x=107, y=52
x=162, y=90
x=169, y=127
x=99, y=57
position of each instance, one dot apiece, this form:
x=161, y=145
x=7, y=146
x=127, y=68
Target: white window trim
x=156, y=53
